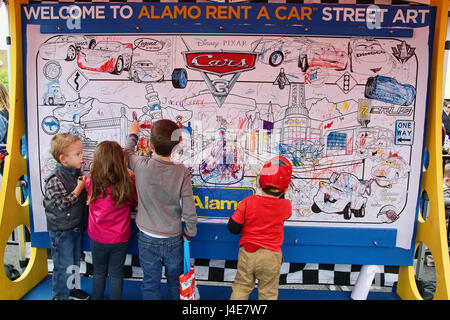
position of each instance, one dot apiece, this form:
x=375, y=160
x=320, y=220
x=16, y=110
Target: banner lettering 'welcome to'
x=291, y=13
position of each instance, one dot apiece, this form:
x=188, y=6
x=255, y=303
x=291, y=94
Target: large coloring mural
x=348, y=112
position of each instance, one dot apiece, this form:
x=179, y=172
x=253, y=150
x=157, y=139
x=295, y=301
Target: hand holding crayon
x=134, y=127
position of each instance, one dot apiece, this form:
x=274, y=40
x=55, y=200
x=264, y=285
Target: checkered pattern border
x=296, y=273
x=364, y=2
x=291, y=273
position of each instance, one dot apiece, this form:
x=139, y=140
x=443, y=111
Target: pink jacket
x=108, y=223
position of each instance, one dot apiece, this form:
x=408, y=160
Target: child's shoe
x=77, y=294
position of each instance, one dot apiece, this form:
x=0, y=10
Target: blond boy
x=66, y=211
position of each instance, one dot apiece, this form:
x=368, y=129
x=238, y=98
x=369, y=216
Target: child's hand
x=131, y=173
x=134, y=128
x=186, y=237
x=81, y=182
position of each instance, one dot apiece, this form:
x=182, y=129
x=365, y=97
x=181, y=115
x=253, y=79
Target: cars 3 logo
x=220, y=63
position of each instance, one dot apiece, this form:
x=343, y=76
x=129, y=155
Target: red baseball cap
x=277, y=173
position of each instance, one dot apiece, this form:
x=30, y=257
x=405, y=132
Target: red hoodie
x=262, y=219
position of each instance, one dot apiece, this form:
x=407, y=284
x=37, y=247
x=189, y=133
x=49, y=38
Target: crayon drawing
x=337, y=108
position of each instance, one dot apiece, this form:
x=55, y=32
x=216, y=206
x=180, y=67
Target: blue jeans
x=108, y=258
x=153, y=254
x=66, y=252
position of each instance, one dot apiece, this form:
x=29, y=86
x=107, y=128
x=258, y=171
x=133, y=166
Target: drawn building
x=299, y=141
x=261, y=128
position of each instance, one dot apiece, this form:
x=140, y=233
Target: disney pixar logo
x=220, y=62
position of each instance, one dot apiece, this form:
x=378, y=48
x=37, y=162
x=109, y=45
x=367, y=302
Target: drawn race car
x=324, y=55
x=106, y=56
x=53, y=95
x=306, y=52
x=367, y=56
x=374, y=142
x=72, y=111
x=64, y=47
x=390, y=171
x=343, y=194
x=145, y=71
x=389, y=90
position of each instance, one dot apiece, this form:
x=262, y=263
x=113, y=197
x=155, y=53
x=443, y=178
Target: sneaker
x=77, y=294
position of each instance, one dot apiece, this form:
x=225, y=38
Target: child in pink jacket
x=111, y=193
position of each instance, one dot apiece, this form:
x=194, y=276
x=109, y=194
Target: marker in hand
x=81, y=179
x=135, y=116
x=80, y=185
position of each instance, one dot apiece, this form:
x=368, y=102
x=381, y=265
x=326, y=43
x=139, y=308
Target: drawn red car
x=106, y=56
x=323, y=55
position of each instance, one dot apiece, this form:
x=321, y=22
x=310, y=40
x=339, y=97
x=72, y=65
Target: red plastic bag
x=188, y=285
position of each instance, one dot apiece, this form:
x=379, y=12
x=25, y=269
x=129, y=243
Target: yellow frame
x=13, y=214
x=432, y=232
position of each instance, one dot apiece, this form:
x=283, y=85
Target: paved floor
x=12, y=257
x=212, y=291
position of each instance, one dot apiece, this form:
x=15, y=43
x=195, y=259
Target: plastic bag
x=188, y=285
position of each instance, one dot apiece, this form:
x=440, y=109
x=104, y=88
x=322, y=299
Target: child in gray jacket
x=164, y=197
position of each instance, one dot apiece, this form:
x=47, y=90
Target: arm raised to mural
x=130, y=147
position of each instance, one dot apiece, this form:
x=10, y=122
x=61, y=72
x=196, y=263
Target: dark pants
x=66, y=252
x=108, y=258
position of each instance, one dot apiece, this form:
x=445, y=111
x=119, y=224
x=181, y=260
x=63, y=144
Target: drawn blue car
x=389, y=90
x=53, y=95
x=145, y=71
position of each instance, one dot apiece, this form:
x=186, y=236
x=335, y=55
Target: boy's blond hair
x=447, y=170
x=60, y=143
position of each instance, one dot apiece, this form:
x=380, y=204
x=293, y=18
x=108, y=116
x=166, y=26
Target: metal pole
x=421, y=249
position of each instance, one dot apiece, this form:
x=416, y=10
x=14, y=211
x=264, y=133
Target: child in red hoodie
x=260, y=220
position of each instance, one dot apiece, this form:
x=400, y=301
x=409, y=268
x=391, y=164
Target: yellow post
x=12, y=214
x=433, y=232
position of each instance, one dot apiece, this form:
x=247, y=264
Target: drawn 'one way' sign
x=404, y=132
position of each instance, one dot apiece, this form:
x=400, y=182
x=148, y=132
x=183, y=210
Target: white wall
x=3, y=26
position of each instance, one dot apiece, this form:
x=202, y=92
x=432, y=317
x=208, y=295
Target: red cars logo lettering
x=220, y=63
